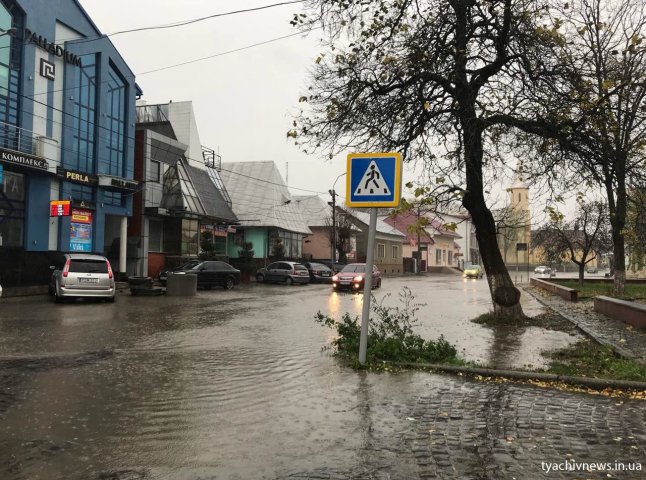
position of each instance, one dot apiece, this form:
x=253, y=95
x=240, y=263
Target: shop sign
x=81, y=231
x=42, y=42
x=23, y=159
x=84, y=204
x=59, y=208
x=118, y=183
x=77, y=177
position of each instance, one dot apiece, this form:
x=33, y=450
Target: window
x=443, y=257
x=438, y=257
x=82, y=192
x=154, y=171
x=81, y=156
x=395, y=251
x=189, y=236
x=113, y=163
x=450, y=258
x=12, y=209
x=112, y=198
x=11, y=47
x=155, y=236
x=381, y=250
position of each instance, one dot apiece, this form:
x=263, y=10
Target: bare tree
x=580, y=240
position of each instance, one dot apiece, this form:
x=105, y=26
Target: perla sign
x=52, y=48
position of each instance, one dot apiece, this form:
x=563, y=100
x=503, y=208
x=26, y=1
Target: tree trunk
x=617, y=207
x=581, y=273
x=505, y=296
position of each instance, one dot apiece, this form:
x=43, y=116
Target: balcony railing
x=152, y=113
x=28, y=142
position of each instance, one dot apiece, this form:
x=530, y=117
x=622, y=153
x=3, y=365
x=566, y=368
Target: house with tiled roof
x=418, y=243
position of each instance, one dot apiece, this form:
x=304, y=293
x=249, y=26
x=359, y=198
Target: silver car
x=284, y=272
x=82, y=275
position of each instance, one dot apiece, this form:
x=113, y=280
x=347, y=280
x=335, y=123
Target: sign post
x=373, y=180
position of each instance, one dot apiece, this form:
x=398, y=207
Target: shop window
x=381, y=250
x=12, y=209
x=189, y=236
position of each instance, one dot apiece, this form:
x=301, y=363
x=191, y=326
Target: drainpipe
x=123, y=247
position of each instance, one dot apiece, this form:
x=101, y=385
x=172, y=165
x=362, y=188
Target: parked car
x=319, y=273
x=212, y=273
x=352, y=277
x=336, y=267
x=82, y=275
x=591, y=269
x=284, y=272
x=542, y=270
x=473, y=271
x=163, y=275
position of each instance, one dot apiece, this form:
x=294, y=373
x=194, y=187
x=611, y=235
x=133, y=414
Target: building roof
x=214, y=203
x=260, y=197
x=314, y=210
x=403, y=223
x=436, y=227
x=383, y=228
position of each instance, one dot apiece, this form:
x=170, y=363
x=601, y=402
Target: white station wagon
x=82, y=275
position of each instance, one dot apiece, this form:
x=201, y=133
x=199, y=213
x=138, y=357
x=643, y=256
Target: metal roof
x=260, y=197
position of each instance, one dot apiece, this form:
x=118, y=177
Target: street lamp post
x=333, y=205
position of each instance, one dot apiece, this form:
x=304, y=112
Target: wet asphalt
x=236, y=384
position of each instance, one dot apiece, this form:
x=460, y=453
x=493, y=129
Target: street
x=235, y=384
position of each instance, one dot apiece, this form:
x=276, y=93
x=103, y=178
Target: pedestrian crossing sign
x=373, y=180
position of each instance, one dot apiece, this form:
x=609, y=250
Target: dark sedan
x=319, y=273
x=212, y=273
x=163, y=275
x=353, y=275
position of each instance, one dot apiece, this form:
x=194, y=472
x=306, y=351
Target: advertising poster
x=81, y=231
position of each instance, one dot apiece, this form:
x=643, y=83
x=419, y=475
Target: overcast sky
x=244, y=101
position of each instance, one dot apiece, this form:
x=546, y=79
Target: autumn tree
x=590, y=96
x=580, y=240
x=431, y=79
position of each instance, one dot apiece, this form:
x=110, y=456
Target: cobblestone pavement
x=623, y=338
x=504, y=431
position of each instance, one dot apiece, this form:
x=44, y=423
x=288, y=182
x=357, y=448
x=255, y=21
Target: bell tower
x=518, y=223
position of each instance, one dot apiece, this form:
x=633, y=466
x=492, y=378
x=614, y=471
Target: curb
x=620, y=350
x=596, y=383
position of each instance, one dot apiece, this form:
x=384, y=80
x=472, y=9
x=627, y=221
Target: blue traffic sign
x=374, y=180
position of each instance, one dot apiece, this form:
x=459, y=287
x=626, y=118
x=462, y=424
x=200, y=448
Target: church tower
x=517, y=224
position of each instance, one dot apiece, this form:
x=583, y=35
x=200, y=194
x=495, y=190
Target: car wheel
x=57, y=297
x=289, y=281
x=229, y=283
x=260, y=278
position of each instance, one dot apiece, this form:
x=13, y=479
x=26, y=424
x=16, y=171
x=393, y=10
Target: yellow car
x=473, y=271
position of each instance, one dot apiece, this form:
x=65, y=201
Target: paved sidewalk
x=627, y=341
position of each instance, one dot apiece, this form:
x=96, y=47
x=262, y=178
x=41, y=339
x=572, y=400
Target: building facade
x=67, y=110
x=514, y=225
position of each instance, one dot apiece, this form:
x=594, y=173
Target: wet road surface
x=234, y=385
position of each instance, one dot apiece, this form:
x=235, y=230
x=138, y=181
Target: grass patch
x=390, y=337
x=589, y=290
x=589, y=359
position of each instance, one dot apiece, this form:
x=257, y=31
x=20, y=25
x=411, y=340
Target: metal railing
x=26, y=141
x=152, y=113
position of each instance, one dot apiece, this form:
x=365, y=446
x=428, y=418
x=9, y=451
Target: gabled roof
x=403, y=222
x=314, y=210
x=436, y=227
x=383, y=229
x=260, y=197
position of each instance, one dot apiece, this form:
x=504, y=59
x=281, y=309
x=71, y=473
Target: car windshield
x=318, y=266
x=354, y=267
x=470, y=266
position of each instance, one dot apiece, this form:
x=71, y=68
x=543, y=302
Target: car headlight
x=358, y=278
x=335, y=278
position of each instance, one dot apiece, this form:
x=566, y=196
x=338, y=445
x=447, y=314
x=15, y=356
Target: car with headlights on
x=82, y=275
x=163, y=275
x=473, y=271
x=352, y=277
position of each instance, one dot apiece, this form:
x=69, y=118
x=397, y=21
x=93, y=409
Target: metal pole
x=333, y=193
x=367, y=288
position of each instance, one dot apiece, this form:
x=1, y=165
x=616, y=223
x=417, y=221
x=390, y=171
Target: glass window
x=395, y=251
x=113, y=162
x=81, y=156
x=189, y=236
x=155, y=236
x=381, y=250
x=438, y=257
x=450, y=258
x=112, y=198
x=10, y=67
x=153, y=171
x=82, y=192
x=12, y=209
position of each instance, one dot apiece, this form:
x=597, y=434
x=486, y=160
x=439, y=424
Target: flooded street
x=230, y=384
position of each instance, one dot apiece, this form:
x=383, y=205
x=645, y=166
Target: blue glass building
x=67, y=123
